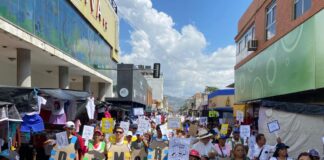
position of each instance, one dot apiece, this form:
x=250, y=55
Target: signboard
x=87, y=132
x=158, y=150
x=240, y=116
x=138, y=154
x=224, y=129
x=143, y=125
x=179, y=149
x=174, y=123
x=158, y=119
x=61, y=139
x=203, y=121
x=107, y=125
x=125, y=126
x=64, y=153
x=273, y=126
x=138, y=111
x=245, y=131
x=193, y=130
x=164, y=129
x=119, y=153
x=213, y=114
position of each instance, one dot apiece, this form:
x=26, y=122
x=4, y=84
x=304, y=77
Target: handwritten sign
x=245, y=131
x=125, y=126
x=107, y=125
x=158, y=150
x=87, y=132
x=158, y=119
x=143, y=125
x=61, y=139
x=174, y=123
x=164, y=129
x=224, y=129
x=273, y=126
x=138, y=111
x=240, y=116
x=179, y=149
x=193, y=130
x=65, y=153
x=203, y=121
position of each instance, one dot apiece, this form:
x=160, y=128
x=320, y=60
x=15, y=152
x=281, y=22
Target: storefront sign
x=213, y=114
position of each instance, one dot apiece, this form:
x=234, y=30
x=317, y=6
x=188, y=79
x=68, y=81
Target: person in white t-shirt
x=204, y=146
x=262, y=151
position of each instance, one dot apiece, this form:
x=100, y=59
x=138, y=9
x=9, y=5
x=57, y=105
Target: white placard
x=143, y=125
x=158, y=119
x=273, y=126
x=174, y=123
x=245, y=131
x=179, y=148
x=203, y=121
x=138, y=111
x=125, y=126
x=239, y=116
x=164, y=129
x=220, y=121
x=87, y=132
x=61, y=139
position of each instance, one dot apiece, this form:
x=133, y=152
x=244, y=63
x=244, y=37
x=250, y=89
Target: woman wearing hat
x=281, y=152
x=96, y=147
x=204, y=146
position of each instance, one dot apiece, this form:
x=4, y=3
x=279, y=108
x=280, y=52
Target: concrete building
x=59, y=44
x=279, y=69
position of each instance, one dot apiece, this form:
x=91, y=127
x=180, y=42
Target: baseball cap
x=281, y=146
x=99, y=132
x=139, y=133
x=314, y=153
x=69, y=124
x=236, y=130
x=129, y=133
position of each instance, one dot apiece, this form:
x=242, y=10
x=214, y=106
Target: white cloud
x=186, y=68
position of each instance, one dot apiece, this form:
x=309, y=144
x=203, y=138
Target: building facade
x=279, y=69
x=59, y=44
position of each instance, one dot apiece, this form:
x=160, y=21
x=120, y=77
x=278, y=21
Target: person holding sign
x=139, y=146
x=96, y=147
x=262, y=151
x=204, y=146
x=158, y=147
x=232, y=142
x=118, y=150
x=223, y=149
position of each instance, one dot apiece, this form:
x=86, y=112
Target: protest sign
x=224, y=129
x=179, y=149
x=213, y=114
x=220, y=121
x=245, y=131
x=64, y=153
x=164, y=129
x=158, y=150
x=174, y=123
x=203, y=121
x=240, y=116
x=87, y=132
x=158, y=119
x=107, y=125
x=119, y=153
x=143, y=125
x=273, y=126
x=138, y=154
x=61, y=139
x=125, y=126
x=138, y=111
x=193, y=130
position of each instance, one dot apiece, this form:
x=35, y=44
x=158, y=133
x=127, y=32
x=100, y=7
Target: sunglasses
x=119, y=132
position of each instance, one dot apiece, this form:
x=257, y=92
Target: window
x=242, y=44
x=271, y=20
x=301, y=6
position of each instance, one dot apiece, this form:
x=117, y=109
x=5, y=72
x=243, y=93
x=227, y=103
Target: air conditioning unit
x=252, y=45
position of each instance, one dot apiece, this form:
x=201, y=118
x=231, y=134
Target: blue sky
x=192, y=39
x=216, y=19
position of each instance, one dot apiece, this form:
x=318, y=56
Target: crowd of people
x=205, y=144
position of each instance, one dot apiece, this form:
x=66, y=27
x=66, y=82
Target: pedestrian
x=314, y=154
x=304, y=156
x=119, y=146
x=204, y=146
x=262, y=151
x=223, y=149
x=141, y=143
x=194, y=155
x=236, y=139
x=159, y=143
x=281, y=152
x=96, y=147
x=129, y=137
x=239, y=153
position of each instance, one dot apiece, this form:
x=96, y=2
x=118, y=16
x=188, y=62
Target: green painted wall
x=292, y=64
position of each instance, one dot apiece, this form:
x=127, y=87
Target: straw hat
x=203, y=133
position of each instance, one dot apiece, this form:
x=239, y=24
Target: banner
x=107, y=125
x=179, y=149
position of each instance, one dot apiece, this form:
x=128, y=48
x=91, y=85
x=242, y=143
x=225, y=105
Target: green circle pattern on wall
x=271, y=70
x=290, y=41
x=257, y=88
